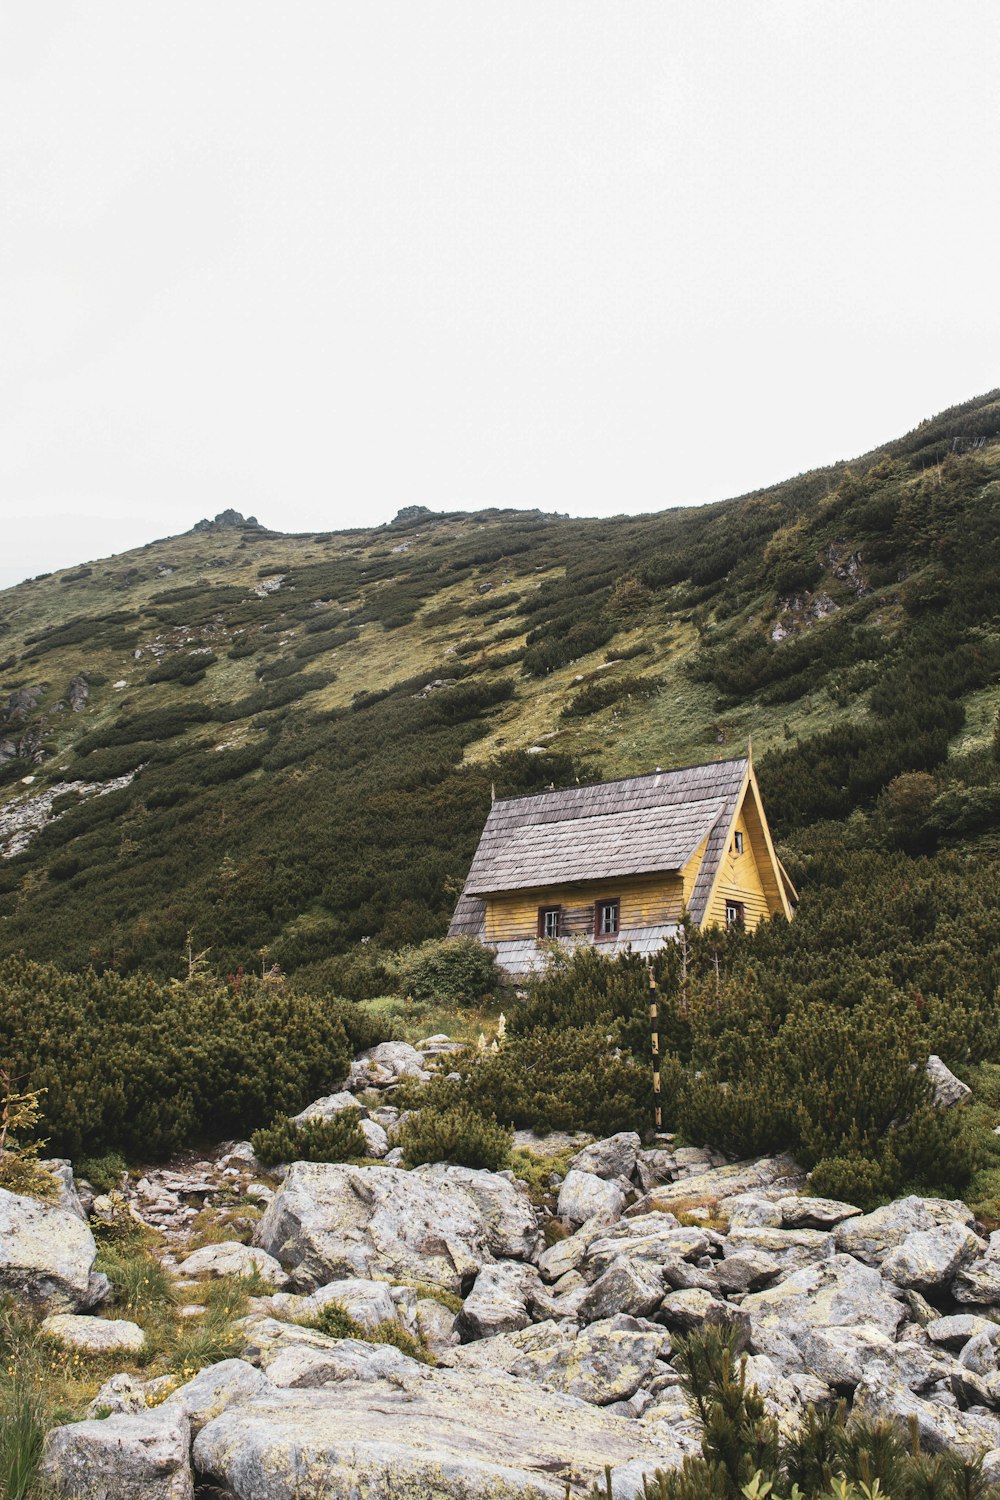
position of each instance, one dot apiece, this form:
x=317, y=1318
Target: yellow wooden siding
x=691, y=870
x=646, y=901
x=740, y=876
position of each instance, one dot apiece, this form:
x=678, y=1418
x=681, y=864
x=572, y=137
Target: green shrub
x=455, y=971
x=335, y=1321
x=455, y=1134
x=849, y=1179
x=336, y=1139
x=144, y=1068
x=102, y=1172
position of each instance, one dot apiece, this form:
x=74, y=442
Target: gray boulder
x=687, y=1310
x=627, y=1286
x=929, y=1258
x=981, y=1354
x=746, y=1271
x=657, y=1238
x=458, y=1435
x=140, y=1457
x=611, y=1158
x=329, y=1222
x=505, y=1204
x=69, y=1199
x=567, y=1254
x=383, y=1066
x=882, y=1394
x=948, y=1090
x=47, y=1254
x=583, y=1196
x=601, y=1364
x=839, y=1292
x=873, y=1235
x=498, y=1302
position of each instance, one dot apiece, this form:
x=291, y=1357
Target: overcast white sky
x=320, y=260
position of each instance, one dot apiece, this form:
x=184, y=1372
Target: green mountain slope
x=289, y=741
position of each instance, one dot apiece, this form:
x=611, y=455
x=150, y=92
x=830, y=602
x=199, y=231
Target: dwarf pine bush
x=455, y=1134
x=336, y=1139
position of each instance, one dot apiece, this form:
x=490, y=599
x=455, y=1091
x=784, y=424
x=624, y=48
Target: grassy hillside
x=288, y=742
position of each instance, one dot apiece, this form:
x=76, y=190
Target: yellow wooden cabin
x=618, y=864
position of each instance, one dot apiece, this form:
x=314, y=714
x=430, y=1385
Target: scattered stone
x=326, y=1108
x=833, y=1293
x=627, y=1286
x=958, y=1329
x=498, y=1302
x=797, y=1212
x=606, y=1362
x=376, y=1139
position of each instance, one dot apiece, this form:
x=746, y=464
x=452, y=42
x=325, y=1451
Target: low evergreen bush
x=455, y=1134
x=336, y=1139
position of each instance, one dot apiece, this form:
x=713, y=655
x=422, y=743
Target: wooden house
x=618, y=864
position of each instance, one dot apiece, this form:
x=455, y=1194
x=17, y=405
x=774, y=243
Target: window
x=606, y=914
x=738, y=843
x=735, y=914
x=548, y=921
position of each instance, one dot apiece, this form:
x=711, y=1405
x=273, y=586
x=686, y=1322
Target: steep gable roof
x=640, y=825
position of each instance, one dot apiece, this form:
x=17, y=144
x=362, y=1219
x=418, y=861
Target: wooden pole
x=654, y=1039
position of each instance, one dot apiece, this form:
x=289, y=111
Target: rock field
x=549, y=1330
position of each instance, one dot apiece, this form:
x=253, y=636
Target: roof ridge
x=583, y=786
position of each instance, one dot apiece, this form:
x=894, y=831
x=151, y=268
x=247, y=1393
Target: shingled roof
x=641, y=825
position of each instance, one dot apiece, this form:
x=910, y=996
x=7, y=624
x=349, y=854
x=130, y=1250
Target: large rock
x=720, y=1183
x=957, y=1329
x=231, y=1258
x=69, y=1199
x=627, y=1286
x=328, y=1222
x=567, y=1254
x=883, y=1395
x=367, y=1302
x=839, y=1292
x=606, y=1362
x=929, y=1258
x=120, y=1394
x=47, y=1254
x=498, y=1302
x=95, y=1335
x=873, y=1235
x=791, y=1249
x=140, y=1457
x=468, y=1435
x=611, y=1158
x=979, y=1281
x=583, y=1196
x=505, y=1203
x=948, y=1090
x=326, y=1108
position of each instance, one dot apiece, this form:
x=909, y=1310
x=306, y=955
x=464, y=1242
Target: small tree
x=20, y=1169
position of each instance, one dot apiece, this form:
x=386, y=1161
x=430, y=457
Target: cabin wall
x=646, y=901
x=740, y=876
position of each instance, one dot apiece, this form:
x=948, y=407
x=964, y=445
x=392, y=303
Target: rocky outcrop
x=445, y=1432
